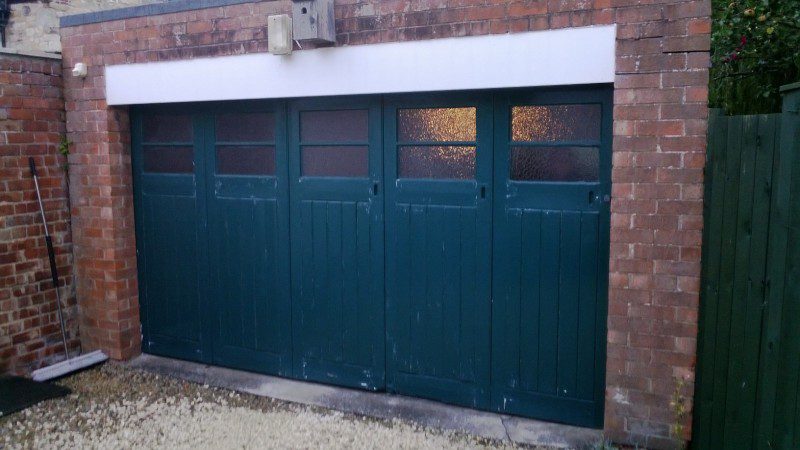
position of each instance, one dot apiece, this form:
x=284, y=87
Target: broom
x=69, y=364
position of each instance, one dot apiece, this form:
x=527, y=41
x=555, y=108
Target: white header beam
x=541, y=58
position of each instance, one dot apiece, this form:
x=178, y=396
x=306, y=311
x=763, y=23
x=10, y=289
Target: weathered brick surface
x=32, y=124
x=33, y=26
x=658, y=156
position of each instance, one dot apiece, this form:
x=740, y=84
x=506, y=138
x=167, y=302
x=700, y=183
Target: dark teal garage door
x=448, y=246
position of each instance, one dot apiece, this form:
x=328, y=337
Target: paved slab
x=381, y=405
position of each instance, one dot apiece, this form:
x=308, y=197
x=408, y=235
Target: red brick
x=29, y=332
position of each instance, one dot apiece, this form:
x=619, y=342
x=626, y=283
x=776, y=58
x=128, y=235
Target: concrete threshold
x=428, y=413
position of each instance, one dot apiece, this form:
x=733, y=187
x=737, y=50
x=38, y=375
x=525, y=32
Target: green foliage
x=755, y=49
x=63, y=148
x=64, y=145
x=679, y=408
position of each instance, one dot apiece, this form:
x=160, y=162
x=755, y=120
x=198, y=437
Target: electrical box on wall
x=279, y=34
x=313, y=21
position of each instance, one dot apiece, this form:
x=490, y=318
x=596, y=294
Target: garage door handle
x=375, y=188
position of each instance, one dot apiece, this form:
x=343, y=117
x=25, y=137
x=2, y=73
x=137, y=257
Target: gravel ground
x=117, y=407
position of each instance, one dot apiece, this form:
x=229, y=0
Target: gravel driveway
x=118, y=407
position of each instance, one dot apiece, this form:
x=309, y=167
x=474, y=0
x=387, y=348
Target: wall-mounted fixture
x=5, y=15
x=279, y=34
x=313, y=21
x=80, y=70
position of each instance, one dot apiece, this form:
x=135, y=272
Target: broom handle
x=50, y=253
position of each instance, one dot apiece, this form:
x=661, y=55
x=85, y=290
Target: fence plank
x=737, y=389
x=727, y=271
x=754, y=303
x=712, y=243
x=768, y=361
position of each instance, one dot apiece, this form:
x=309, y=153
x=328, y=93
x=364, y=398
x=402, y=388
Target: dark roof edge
x=152, y=9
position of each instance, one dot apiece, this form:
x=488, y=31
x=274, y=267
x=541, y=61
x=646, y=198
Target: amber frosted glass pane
x=555, y=163
x=245, y=160
x=334, y=126
x=335, y=161
x=245, y=127
x=436, y=124
x=436, y=162
x=555, y=123
x=163, y=159
x=167, y=128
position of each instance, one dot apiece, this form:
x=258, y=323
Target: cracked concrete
x=381, y=405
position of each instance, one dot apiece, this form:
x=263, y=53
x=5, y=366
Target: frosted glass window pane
x=453, y=162
x=334, y=126
x=436, y=124
x=245, y=127
x=549, y=123
x=167, y=128
x=555, y=163
x=164, y=159
x=335, y=161
x=245, y=160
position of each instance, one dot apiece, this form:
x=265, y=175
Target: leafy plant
x=755, y=49
x=63, y=148
x=679, y=408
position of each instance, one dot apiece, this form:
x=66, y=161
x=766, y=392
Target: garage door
x=448, y=246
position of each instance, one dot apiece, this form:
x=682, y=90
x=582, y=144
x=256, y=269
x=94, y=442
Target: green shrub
x=755, y=49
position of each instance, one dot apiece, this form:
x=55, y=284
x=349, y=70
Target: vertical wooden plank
x=365, y=295
x=434, y=292
x=402, y=286
x=587, y=309
x=776, y=252
x=469, y=275
x=306, y=275
x=513, y=293
x=738, y=387
x=548, y=325
x=418, y=278
x=715, y=182
x=268, y=337
x=756, y=278
x=321, y=331
x=250, y=231
x=350, y=270
x=333, y=295
x=451, y=299
x=568, y=297
x=527, y=340
x=725, y=283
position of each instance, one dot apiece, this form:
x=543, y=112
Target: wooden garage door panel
x=551, y=219
x=438, y=167
x=167, y=169
x=337, y=241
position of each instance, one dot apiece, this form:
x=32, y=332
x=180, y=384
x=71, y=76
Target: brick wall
x=32, y=124
x=33, y=26
x=659, y=147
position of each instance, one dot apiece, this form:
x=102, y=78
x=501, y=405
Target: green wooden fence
x=749, y=345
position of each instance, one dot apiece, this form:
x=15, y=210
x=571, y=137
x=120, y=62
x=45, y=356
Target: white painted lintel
x=570, y=56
